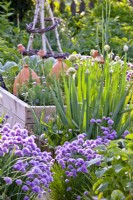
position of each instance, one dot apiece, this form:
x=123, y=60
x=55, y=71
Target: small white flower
x=125, y=48
x=87, y=71
x=71, y=70
x=111, y=71
x=107, y=48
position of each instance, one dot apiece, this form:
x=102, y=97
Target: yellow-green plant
x=97, y=91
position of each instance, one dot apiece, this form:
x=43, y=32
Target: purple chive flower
x=5, y=128
x=8, y=180
x=92, y=121
x=6, y=116
x=26, y=198
x=32, y=164
x=26, y=151
x=25, y=188
x=36, y=189
x=125, y=133
x=18, y=182
x=98, y=120
x=86, y=193
x=68, y=189
x=110, y=122
x=78, y=197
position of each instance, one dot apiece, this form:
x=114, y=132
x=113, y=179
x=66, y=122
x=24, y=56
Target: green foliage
x=6, y=52
x=35, y=94
x=53, y=131
x=115, y=174
x=10, y=35
x=106, y=23
x=94, y=92
x=59, y=186
x=9, y=71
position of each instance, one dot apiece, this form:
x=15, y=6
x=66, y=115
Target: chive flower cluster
x=74, y=156
x=129, y=75
x=32, y=165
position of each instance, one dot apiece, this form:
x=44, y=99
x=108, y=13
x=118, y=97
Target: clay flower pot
x=95, y=53
x=58, y=68
x=41, y=53
x=21, y=48
x=23, y=77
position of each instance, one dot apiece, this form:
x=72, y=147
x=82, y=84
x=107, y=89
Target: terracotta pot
x=58, y=68
x=101, y=60
x=95, y=53
x=23, y=77
x=21, y=48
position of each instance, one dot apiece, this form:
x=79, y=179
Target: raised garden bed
x=21, y=112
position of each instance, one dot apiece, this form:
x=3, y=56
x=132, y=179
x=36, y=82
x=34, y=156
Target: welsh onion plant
x=96, y=91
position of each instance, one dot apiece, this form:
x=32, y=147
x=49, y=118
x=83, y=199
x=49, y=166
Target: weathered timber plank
x=21, y=112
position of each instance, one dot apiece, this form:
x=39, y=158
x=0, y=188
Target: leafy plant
x=9, y=71
x=95, y=92
x=115, y=174
x=22, y=173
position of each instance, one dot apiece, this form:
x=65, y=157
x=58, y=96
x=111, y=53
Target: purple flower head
x=30, y=139
x=26, y=151
x=110, y=122
x=6, y=116
x=125, y=133
x=36, y=181
x=8, y=180
x=78, y=197
x=86, y=193
x=68, y=189
x=5, y=128
x=4, y=137
x=36, y=189
x=92, y=121
x=12, y=132
x=18, y=182
x=98, y=120
x=19, y=153
x=26, y=198
x=25, y=188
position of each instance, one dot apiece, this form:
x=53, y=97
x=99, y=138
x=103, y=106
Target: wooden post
x=29, y=47
x=56, y=31
x=42, y=11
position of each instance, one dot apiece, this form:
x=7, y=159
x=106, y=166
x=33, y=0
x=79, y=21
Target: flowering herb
x=74, y=156
x=26, y=168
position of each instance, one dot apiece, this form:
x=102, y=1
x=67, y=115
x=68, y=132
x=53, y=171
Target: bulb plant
x=25, y=170
x=93, y=91
x=79, y=161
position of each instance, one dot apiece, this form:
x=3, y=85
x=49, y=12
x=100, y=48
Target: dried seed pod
x=91, y=4
x=82, y=6
x=73, y=8
x=62, y=6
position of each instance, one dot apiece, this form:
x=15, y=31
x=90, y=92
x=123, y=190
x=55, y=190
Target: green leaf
x=100, y=173
x=103, y=186
x=59, y=109
x=92, y=162
x=117, y=195
x=118, y=168
x=129, y=136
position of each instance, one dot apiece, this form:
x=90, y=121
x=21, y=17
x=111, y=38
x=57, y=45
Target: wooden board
x=21, y=112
